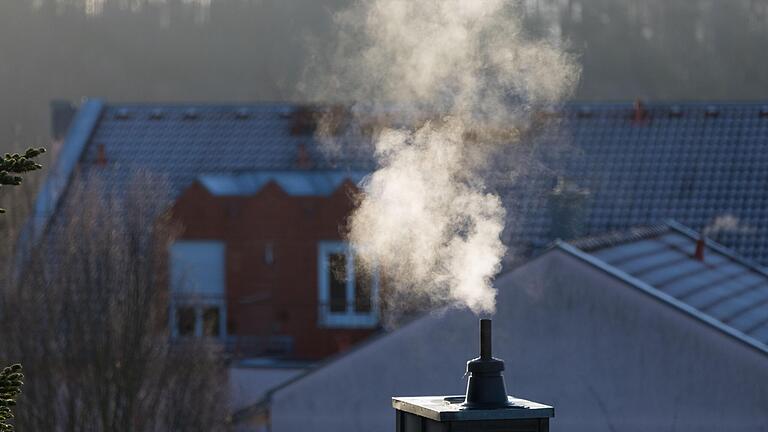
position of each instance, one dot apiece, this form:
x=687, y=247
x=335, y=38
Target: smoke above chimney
x=458, y=82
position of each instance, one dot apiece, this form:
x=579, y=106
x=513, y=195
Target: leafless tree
x=87, y=318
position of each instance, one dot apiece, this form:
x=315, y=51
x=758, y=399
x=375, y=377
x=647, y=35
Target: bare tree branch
x=87, y=318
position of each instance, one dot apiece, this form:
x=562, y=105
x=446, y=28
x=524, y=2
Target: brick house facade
x=288, y=285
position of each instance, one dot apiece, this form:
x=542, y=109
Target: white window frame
x=198, y=301
x=199, y=306
x=349, y=318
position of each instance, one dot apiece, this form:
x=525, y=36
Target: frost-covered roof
x=723, y=289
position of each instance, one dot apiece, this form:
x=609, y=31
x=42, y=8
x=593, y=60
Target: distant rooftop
x=702, y=164
x=185, y=141
x=722, y=288
x=182, y=142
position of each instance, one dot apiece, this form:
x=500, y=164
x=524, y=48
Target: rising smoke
x=727, y=223
x=452, y=85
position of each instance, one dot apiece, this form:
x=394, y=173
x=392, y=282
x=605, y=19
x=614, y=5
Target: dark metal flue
x=486, y=339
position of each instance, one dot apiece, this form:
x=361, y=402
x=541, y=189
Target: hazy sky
x=246, y=50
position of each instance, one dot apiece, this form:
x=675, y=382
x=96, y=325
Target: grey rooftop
x=696, y=163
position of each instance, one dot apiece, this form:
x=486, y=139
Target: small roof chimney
x=701, y=245
x=303, y=158
x=303, y=121
x=640, y=114
x=101, y=155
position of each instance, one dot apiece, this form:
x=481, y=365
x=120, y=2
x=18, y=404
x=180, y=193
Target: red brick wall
x=280, y=298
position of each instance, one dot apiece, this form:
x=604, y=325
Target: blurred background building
x=668, y=132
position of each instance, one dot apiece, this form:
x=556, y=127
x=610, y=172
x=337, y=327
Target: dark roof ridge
x=615, y=238
x=732, y=255
x=618, y=237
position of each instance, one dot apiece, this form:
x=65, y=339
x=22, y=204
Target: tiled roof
x=723, y=289
x=695, y=163
x=185, y=141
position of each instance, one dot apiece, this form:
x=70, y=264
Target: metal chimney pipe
x=486, y=345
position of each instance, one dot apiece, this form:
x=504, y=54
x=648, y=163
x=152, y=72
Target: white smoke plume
x=728, y=223
x=452, y=85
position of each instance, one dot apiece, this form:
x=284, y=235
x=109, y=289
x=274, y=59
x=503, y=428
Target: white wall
x=607, y=356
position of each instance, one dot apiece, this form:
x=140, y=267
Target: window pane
x=185, y=321
x=197, y=267
x=211, y=322
x=337, y=277
x=363, y=286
